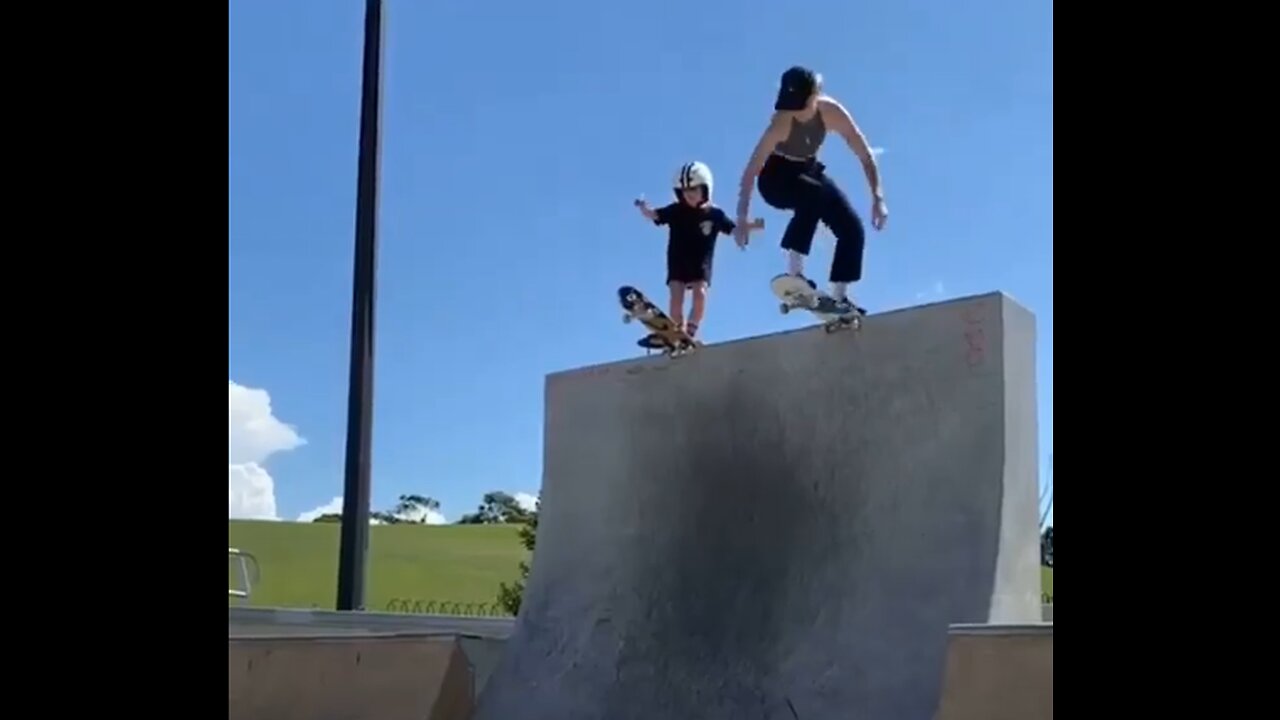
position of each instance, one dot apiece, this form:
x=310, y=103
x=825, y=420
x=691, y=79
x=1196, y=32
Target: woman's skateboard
x=665, y=334
x=796, y=292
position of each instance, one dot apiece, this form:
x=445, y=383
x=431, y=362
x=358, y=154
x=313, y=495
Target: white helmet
x=692, y=175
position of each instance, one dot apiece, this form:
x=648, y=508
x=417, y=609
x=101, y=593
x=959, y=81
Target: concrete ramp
x=482, y=654
x=408, y=677
x=997, y=672
x=780, y=527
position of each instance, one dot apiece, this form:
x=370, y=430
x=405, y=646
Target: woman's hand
x=879, y=214
x=742, y=232
x=743, y=228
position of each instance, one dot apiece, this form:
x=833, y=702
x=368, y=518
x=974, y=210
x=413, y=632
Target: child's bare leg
x=699, y=307
x=677, y=303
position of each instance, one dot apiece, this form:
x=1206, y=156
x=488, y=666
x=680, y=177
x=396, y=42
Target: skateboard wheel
x=784, y=308
x=626, y=319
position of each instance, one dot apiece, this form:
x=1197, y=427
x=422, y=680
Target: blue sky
x=515, y=138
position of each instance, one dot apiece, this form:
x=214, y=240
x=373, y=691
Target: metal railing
x=243, y=560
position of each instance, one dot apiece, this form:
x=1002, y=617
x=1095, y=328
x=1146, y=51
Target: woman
x=792, y=178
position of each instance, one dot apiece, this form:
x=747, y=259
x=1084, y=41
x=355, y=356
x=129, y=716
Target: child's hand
x=645, y=210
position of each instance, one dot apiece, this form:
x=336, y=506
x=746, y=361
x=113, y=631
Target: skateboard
x=798, y=293
x=668, y=338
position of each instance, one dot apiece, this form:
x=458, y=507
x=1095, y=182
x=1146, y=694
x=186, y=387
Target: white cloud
x=331, y=507
x=528, y=501
x=254, y=432
x=934, y=293
x=250, y=493
x=253, y=435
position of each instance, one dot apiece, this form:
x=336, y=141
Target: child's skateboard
x=795, y=292
x=667, y=337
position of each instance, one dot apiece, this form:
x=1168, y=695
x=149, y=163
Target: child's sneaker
x=652, y=341
x=692, y=331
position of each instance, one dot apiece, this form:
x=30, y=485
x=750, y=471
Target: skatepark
x=797, y=526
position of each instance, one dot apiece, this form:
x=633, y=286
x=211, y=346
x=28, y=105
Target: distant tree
x=413, y=503
x=414, y=509
x=496, y=507
x=329, y=518
x=510, y=597
x=1046, y=547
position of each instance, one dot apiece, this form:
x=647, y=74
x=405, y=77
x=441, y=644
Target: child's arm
x=645, y=210
x=659, y=216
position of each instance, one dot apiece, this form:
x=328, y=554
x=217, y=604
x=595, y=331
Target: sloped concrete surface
x=780, y=527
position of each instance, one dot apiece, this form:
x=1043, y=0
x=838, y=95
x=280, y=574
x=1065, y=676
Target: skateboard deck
x=665, y=335
x=797, y=293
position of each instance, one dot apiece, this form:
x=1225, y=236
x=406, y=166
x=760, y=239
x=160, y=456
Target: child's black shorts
x=687, y=264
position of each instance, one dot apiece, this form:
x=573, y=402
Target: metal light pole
x=354, y=548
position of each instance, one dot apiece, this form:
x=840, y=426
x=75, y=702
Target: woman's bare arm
x=839, y=120
x=775, y=133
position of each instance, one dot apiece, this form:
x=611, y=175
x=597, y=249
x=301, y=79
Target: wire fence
x=420, y=606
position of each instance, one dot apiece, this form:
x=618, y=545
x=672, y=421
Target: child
x=693, y=224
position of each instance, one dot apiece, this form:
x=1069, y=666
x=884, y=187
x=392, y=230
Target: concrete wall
x=784, y=524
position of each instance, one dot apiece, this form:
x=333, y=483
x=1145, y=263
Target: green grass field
x=455, y=563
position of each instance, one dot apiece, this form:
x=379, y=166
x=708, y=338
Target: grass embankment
x=454, y=563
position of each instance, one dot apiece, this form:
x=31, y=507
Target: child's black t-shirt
x=693, y=229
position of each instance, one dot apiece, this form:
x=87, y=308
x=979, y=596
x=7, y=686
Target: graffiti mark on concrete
x=975, y=337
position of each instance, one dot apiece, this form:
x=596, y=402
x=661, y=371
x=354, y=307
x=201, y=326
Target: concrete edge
x=1000, y=629
x=713, y=347
x=365, y=635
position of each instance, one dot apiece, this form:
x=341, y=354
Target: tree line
x=496, y=507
